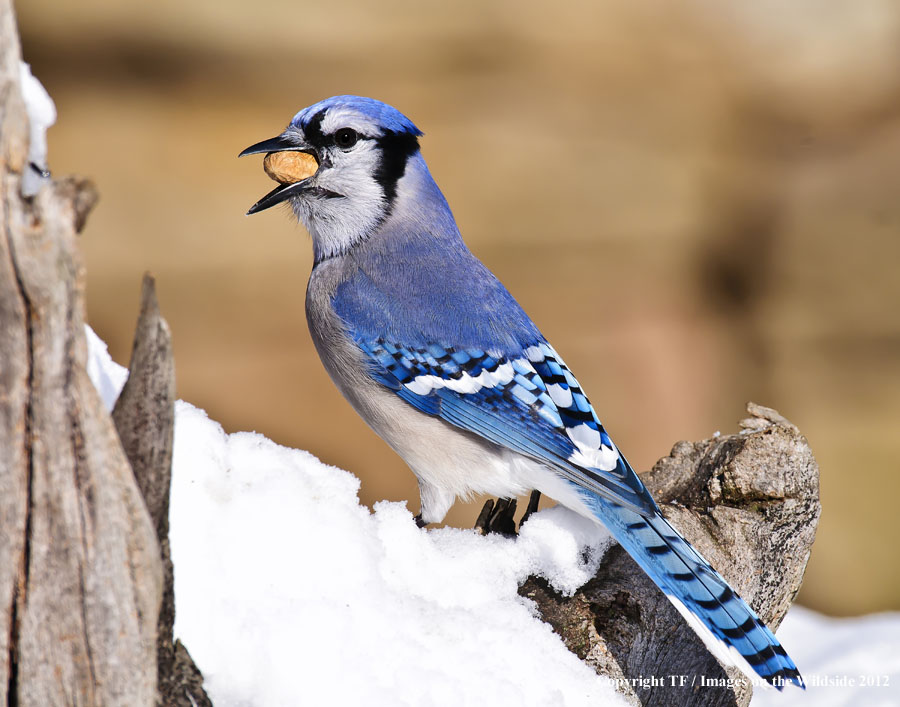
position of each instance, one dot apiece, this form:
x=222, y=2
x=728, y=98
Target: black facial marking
x=396, y=149
x=313, y=130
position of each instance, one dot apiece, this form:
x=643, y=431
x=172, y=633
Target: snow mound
x=289, y=591
x=107, y=376
x=845, y=662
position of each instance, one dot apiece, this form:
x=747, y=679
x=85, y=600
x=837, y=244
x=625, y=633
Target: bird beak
x=276, y=144
x=285, y=142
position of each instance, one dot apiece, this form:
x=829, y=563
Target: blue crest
x=387, y=117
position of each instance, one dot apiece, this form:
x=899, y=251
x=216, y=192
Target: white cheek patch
x=423, y=385
x=352, y=174
x=336, y=224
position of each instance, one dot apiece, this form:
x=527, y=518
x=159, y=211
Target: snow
x=288, y=591
x=850, y=662
x=288, y=588
x=41, y=115
x=107, y=375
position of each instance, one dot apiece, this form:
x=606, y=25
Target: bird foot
x=499, y=516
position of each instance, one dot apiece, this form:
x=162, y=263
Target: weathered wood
x=144, y=413
x=749, y=502
x=15, y=372
x=80, y=575
x=144, y=416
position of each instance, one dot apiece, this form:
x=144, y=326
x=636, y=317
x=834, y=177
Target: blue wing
x=529, y=402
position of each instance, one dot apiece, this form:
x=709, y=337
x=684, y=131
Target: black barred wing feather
x=529, y=402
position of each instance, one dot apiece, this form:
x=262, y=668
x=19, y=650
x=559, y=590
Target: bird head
x=338, y=163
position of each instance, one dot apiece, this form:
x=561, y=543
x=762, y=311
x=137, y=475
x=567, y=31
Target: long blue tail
x=730, y=629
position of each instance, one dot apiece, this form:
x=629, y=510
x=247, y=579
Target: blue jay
x=439, y=359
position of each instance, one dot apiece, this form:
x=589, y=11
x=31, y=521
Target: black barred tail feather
x=729, y=628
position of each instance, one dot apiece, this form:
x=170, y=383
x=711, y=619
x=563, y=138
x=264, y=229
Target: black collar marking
x=396, y=149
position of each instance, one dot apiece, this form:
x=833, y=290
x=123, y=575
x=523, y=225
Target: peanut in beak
x=290, y=166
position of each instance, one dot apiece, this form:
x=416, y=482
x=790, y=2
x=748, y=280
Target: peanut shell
x=290, y=166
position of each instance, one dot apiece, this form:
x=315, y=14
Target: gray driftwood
x=144, y=415
x=749, y=502
x=80, y=571
x=83, y=563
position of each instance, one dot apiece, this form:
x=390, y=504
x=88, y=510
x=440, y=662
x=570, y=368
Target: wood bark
x=749, y=502
x=144, y=415
x=80, y=570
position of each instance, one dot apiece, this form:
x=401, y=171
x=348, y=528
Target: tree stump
x=749, y=502
x=80, y=571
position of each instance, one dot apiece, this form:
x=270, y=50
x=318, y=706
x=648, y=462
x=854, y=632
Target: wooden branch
x=80, y=573
x=749, y=502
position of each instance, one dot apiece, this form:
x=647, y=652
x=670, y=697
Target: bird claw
x=499, y=516
x=533, y=501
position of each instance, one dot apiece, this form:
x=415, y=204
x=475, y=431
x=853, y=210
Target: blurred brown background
x=697, y=204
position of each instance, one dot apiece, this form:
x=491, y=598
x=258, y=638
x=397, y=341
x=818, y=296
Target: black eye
x=346, y=138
